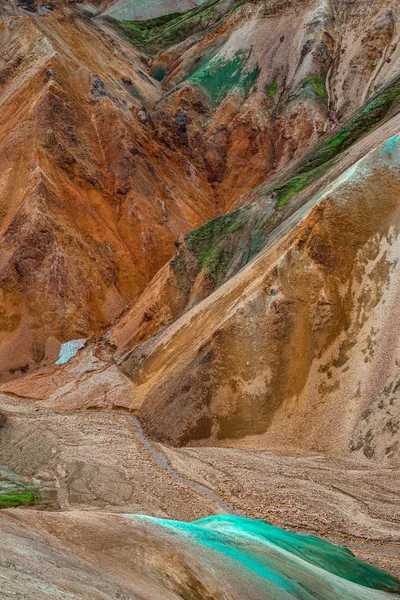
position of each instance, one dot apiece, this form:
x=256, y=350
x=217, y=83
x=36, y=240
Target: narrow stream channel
x=157, y=457
x=160, y=459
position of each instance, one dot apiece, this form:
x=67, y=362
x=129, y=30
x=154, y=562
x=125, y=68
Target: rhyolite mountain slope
x=209, y=198
x=90, y=202
x=119, y=163
x=302, y=339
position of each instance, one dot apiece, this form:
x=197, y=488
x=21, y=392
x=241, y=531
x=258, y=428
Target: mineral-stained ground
x=199, y=299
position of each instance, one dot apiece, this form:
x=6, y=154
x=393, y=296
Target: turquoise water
x=267, y=562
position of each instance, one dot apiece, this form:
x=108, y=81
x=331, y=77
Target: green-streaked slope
x=154, y=35
x=218, y=77
x=228, y=242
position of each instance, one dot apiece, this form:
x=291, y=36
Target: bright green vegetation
x=238, y=5
x=267, y=562
x=203, y=243
x=320, y=159
x=314, y=86
x=198, y=241
x=271, y=90
x=293, y=186
x=317, y=83
x=217, y=262
x=219, y=77
x=229, y=242
x=18, y=499
x=366, y=120
x=154, y=35
x=141, y=33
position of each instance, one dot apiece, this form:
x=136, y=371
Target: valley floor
x=104, y=462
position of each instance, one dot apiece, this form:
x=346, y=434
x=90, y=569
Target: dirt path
x=157, y=458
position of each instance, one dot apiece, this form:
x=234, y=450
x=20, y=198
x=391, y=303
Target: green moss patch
x=317, y=83
x=218, y=77
x=155, y=35
x=365, y=121
x=204, y=243
x=293, y=186
x=319, y=160
x=271, y=90
x=18, y=499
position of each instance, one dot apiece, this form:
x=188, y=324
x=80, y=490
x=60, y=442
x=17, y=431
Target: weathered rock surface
x=205, y=204
x=91, y=203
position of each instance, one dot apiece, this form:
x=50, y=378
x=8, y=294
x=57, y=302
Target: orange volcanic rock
x=118, y=165
x=90, y=201
x=199, y=246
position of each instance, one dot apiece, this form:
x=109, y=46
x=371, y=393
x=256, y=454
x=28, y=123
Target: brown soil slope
x=90, y=203
x=118, y=165
x=301, y=342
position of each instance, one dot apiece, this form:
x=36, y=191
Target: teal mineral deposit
x=269, y=563
x=69, y=350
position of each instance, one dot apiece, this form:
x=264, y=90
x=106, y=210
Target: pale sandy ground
x=101, y=461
